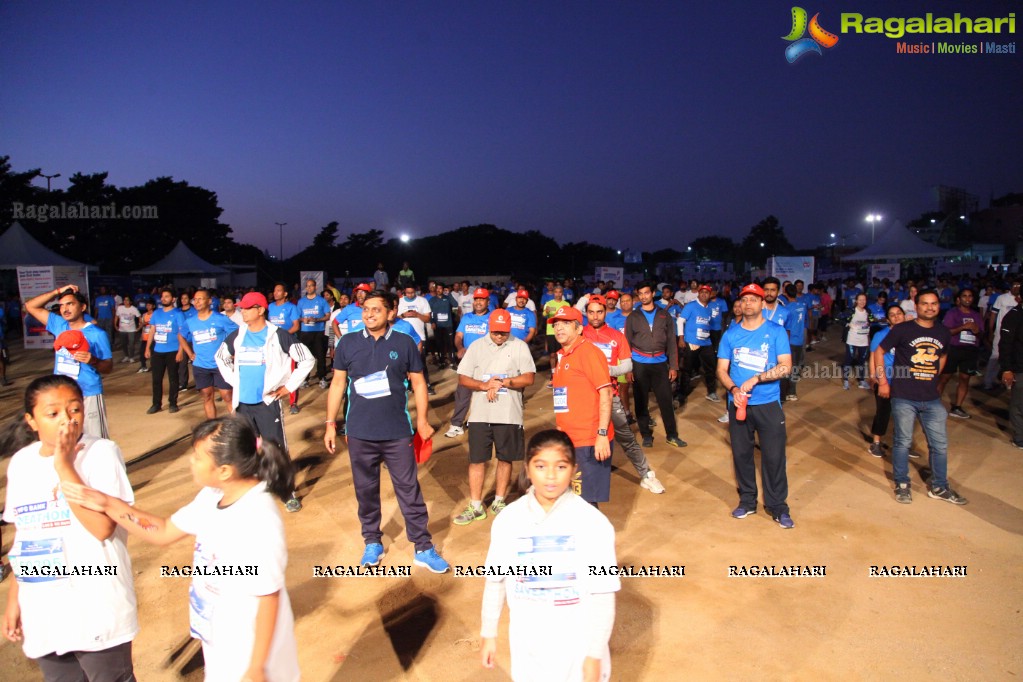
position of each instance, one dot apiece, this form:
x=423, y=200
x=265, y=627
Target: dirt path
x=706, y=625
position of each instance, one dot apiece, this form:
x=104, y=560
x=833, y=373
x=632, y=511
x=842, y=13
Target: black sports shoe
x=648, y=441
x=676, y=442
x=153, y=409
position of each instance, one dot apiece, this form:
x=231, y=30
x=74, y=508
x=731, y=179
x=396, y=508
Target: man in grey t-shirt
x=497, y=369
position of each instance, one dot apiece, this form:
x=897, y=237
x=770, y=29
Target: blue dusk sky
x=631, y=124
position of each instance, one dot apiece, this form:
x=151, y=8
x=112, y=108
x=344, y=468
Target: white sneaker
x=454, y=432
x=723, y=419
x=651, y=483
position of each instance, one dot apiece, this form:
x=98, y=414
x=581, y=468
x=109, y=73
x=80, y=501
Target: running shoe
x=714, y=397
x=469, y=515
x=430, y=559
x=876, y=450
x=946, y=494
x=651, y=483
x=497, y=507
x=293, y=504
x=454, y=432
x=740, y=512
x=675, y=442
x=959, y=413
x=902, y=494
x=785, y=521
x=791, y=398
x=295, y=409
x=723, y=419
x=648, y=441
x=372, y=555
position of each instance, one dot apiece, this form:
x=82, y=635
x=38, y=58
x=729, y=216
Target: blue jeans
x=932, y=416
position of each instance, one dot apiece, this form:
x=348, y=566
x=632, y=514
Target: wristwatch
x=601, y=432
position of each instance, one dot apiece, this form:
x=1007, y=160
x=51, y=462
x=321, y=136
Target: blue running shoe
x=429, y=558
x=741, y=513
x=785, y=521
x=372, y=555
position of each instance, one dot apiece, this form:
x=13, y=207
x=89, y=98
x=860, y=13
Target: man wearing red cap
x=753, y=357
x=256, y=360
x=472, y=327
x=615, y=348
x=83, y=356
x=523, y=318
x=497, y=369
x=582, y=404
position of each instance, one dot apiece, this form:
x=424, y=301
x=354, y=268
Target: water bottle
x=740, y=406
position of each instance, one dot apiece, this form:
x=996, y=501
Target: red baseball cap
x=612, y=293
x=568, y=313
x=522, y=293
x=481, y=293
x=72, y=340
x=363, y=287
x=706, y=287
x=752, y=289
x=596, y=298
x=253, y=299
x=500, y=321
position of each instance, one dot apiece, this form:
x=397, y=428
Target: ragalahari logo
x=800, y=45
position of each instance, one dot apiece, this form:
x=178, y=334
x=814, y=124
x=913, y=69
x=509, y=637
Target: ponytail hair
x=16, y=434
x=233, y=442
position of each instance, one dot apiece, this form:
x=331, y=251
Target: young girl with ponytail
x=239, y=606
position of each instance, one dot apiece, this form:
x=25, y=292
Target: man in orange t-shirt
x=582, y=404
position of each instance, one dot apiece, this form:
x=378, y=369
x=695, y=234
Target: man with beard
x=921, y=348
x=85, y=357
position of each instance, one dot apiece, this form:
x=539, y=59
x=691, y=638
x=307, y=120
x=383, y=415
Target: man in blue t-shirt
x=163, y=349
x=376, y=367
x=314, y=312
x=472, y=327
x=284, y=314
x=84, y=361
x=523, y=319
x=103, y=307
x=203, y=334
x=753, y=357
x=795, y=325
x=697, y=347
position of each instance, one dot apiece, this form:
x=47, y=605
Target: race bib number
x=967, y=337
x=560, y=588
x=751, y=359
x=442, y=317
x=250, y=357
x=204, y=336
x=162, y=333
x=38, y=561
x=561, y=399
x=487, y=377
x=702, y=334
x=373, y=386
x=605, y=348
x=67, y=365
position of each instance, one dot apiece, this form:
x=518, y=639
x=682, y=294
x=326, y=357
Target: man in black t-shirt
x=921, y=348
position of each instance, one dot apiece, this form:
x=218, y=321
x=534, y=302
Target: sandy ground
x=705, y=625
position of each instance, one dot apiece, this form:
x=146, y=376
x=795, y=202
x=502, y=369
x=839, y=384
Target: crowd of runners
x=600, y=352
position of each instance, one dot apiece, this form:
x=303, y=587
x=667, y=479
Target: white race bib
x=442, y=317
x=561, y=399
x=373, y=385
x=487, y=377
x=204, y=335
x=67, y=365
x=250, y=357
x=751, y=359
x=967, y=337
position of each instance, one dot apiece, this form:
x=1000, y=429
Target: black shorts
x=204, y=378
x=507, y=439
x=594, y=476
x=552, y=344
x=961, y=359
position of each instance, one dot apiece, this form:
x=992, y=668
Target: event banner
x=613, y=274
x=883, y=271
x=33, y=281
x=791, y=268
x=319, y=276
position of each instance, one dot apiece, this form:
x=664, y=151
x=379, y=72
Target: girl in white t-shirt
x=561, y=622
x=128, y=317
x=72, y=599
x=908, y=304
x=242, y=616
